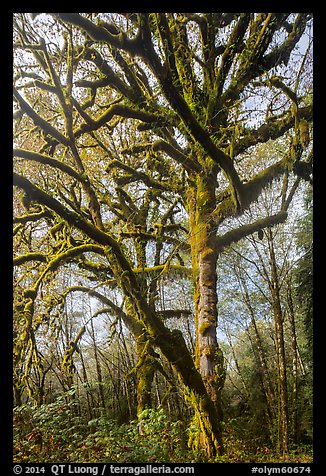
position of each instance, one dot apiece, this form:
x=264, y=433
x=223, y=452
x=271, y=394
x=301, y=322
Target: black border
x=6, y=292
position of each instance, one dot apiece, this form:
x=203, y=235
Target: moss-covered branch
x=39, y=121
x=191, y=123
x=56, y=261
x=152, y=236
x=128, y=319
x=71, y=217
x=177, y=155
x=232, y=48
x=33, y=256
x=281, y=53
x=274, y=128
x=251, y=58
x=173, y=313
x=137, y=175
x=241, y=232
x=252, y=190
x=32, y=217
x=117, y=110
x=164, y=32
x=172, y=151
x=170, y=269
x=47, y=160
x=109, y=78
x=104, y=32
x=72, y=253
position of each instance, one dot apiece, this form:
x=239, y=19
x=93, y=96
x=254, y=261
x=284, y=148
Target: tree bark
x=280, y=351
x=204, y=254
x=145, y=374
x=98, y=367
x=144, y=346
x=295, y=354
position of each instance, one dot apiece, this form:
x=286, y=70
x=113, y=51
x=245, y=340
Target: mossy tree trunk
x=174, y=348
x=145, y=374
x=145, y=367
x=204, y=254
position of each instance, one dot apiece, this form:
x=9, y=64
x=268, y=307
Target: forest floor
x=51, y=433
x=96, y=454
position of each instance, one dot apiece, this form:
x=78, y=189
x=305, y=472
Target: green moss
x=226, y=209
x=209, y=351
x=204, y=327
x=207, y=253
x=202, y=198
x=202, y=436
x=205, y=192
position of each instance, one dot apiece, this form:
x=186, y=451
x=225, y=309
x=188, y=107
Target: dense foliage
x=55, y=432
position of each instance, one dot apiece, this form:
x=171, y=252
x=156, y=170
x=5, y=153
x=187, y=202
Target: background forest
x=163, y=237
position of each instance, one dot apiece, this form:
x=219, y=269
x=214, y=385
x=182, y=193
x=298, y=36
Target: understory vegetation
x=53, y=432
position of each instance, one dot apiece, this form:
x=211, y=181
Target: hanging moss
x=304, y=133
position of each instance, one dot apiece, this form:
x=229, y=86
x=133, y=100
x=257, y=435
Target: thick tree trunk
x=207, y=350
x=174, y=348
x=204, y=253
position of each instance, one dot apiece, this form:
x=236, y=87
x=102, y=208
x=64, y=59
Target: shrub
x=55, y=432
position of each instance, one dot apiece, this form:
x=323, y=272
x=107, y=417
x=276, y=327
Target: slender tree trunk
x=244, y=384
x=41, y=385
x=280, y=351
x=89, y=395
x=266, y=381
x=295, y=354
x=144, y=349
x=145, y=374
x=264, y=378
x=282, y=383
x=98, y=367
